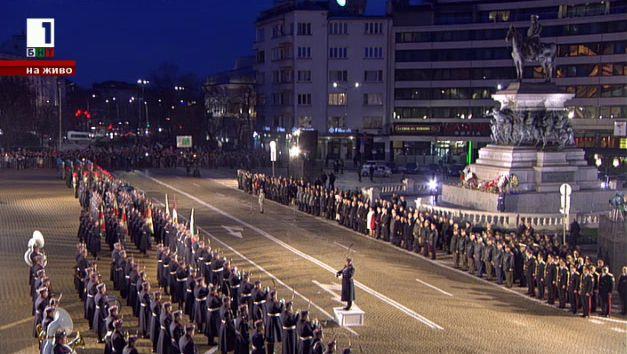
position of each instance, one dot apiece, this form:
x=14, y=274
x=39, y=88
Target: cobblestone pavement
x=411, y=304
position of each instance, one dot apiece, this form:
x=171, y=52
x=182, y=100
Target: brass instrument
x=77, y=342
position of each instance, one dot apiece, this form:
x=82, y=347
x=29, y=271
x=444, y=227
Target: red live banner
x=37, y=67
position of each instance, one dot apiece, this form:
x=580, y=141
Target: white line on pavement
x=409, y=312
x=434, y=287
x=345, y=247
x=196, y=184
x=263, y=270
x=213, y=350
x=619, y=330
x=595, y=321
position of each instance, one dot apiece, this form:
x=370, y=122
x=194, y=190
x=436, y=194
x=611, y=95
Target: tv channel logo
x=40, y=37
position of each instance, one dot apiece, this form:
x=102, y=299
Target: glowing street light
x=294, y=151
x=433, y=184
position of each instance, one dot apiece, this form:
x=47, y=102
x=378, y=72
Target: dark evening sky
x=126, y=39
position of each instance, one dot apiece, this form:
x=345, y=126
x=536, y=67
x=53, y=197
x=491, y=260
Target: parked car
x=380, y=169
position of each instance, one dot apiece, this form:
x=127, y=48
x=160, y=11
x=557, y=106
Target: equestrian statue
x=531, y=49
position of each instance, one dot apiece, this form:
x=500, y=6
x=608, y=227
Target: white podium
x=351, y=318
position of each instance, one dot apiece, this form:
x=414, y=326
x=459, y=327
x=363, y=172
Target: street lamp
x=142, y=83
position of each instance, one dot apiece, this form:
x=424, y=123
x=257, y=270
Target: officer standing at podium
x=348, y=286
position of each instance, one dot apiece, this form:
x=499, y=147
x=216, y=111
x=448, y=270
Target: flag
x=101, y=220
x=191, y=223
x=149, y=220
x=124, y=217
x=167, y=206
x=175, y=216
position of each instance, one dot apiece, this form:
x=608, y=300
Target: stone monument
x=532, y=152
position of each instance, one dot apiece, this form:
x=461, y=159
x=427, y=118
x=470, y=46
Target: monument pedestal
x=533, y=142
x=351, y=318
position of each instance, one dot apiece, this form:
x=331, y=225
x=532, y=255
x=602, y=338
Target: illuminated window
x=337, y=99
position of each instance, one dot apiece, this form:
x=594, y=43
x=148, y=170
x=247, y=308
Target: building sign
x=183, y=141
x=620, y=128
x=444, y=129
x=623, y=143
x=340, y=131
x=417, y=129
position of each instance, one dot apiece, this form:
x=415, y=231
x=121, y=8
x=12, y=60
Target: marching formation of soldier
x=550, y=270
x=207, y=293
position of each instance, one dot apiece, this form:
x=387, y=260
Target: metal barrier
x=513, y=220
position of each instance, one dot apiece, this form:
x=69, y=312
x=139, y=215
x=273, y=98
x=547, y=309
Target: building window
x=337, y=122
x=304, y=52
x=338, y=53
x=304, y=99
x=373, y=52
x=373, y=122
x=304, y=75
x=499, y=16
x=337, y=99
x=338, y=76
x=373, y=76
x=277, y=30
x=281, y=53
x=261, y=34
x=373, y=99
x=337, y=28
x=373, y=28
x=304, y=29
x=261, y=57
x=304, y=122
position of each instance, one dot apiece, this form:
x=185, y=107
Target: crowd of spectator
x=22, y=159
x=550, y=269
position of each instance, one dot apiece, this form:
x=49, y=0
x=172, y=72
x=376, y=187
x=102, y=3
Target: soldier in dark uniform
x=155, y=313
x=40, y=306
x=130, y=346
x=497, y=262
x=348, y=286
x=242, y=330
x=117, y=337
x=176, y=331
x=530, y=270
x=508, y=266
x=273, y=327
x=259, y=340
x=259, y=297
x=318, y=346
x=60, y=346
x=214, y=303
x=606, y=286
x=574, y=285
x=246, y=290
x=145, y=313
x=190, y=297
x=539, y=276
x=622, y=290
x=562, y=283
x=165, y=319
x=289, y=320
x=551, y=279
x=200, y=304
x=305, y=331
x=98, y=322
x=228, y=335
x=587, y=289
x=186, y=342
x=470, y=252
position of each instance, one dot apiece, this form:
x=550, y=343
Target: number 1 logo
x=40, y=32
